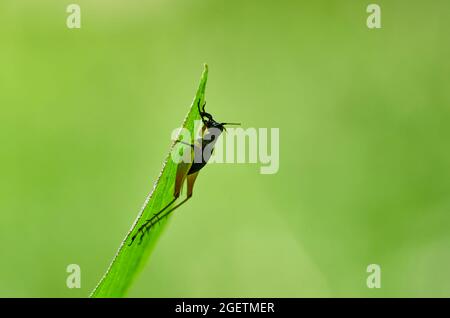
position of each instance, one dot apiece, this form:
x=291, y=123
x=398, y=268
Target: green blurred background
x=85, y=124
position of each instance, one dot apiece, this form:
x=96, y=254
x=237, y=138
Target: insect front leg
x=185, y=143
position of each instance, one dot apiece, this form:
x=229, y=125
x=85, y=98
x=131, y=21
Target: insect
x=202, y=150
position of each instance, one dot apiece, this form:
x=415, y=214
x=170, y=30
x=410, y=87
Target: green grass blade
x=130, y=258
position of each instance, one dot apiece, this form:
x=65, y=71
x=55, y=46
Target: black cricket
x=202, y=148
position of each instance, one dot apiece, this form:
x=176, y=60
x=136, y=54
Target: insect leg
x=182, y=170
x=185, y=143
x=190, y=187
x=150, y=222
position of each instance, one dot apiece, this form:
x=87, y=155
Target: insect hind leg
x=148, y=224
x=190, y=187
